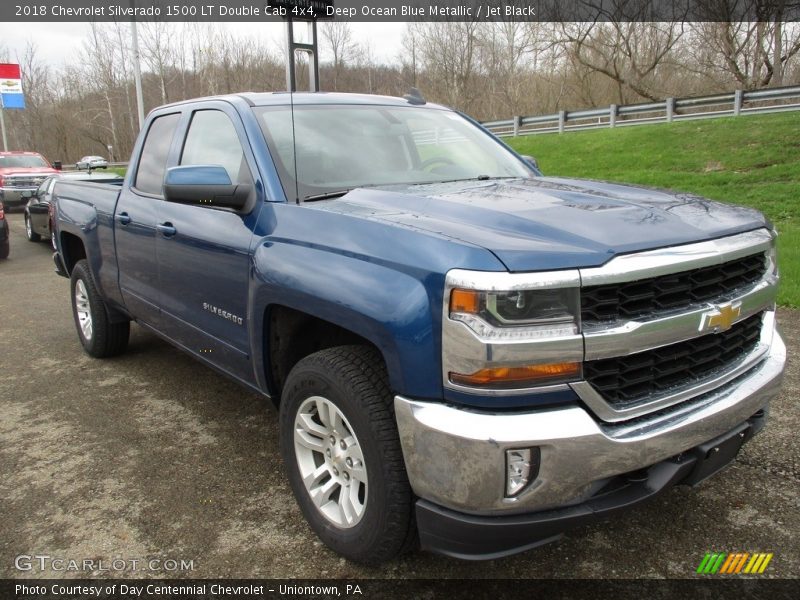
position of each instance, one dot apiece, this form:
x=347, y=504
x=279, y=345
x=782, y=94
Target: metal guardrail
x=73, y=166
x=734, y=103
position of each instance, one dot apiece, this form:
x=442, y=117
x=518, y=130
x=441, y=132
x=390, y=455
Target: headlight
x=772, y=255
x=531, y=313
x=511, y=332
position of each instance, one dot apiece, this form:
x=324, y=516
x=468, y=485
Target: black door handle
x=123, y=218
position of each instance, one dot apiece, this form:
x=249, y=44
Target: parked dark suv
x=38, y=211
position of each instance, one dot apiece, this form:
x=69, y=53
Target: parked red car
x=21, y=173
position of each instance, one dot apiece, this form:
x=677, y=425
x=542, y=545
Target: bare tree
x=338, y=40
x=158, y=53
x=448, y=54
x=629, y=53
x=36, y=86
x=101, y=52
x=748, y=53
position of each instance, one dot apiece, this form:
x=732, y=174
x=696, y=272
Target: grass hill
x=752, y=160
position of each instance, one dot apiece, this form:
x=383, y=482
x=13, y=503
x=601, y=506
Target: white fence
x=672, y=109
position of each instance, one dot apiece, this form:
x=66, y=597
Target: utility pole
x=137, y=71
x=311, y=49
x=308, y=11
x=3, y=125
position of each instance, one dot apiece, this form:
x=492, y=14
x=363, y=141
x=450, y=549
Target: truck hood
x=549, y=223
x=7, y=171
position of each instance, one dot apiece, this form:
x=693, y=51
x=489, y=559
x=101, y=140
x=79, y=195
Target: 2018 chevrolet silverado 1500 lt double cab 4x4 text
x=464, y=353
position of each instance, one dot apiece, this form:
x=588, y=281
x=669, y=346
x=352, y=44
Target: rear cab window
x=153, y=160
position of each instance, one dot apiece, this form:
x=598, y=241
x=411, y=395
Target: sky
x=61, y=43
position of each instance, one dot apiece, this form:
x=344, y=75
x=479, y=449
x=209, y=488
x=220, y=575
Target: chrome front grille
x=626, y=380
x=12, y=181
x=657, y=324
x=667, y=293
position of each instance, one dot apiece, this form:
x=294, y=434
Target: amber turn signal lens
x=517, y=376
x=465, y=301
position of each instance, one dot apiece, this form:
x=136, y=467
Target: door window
x=212, y=140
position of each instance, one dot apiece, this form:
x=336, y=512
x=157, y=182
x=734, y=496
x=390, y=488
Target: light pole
x=3, y=125
x=137, y=71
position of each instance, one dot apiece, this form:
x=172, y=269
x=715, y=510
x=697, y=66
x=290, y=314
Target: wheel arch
x=72, y=250
x=290, y=335
x=394, y=307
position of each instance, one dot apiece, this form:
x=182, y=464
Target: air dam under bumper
x=455, y=460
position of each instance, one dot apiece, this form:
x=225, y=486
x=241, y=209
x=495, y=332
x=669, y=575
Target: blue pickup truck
x=466, y=356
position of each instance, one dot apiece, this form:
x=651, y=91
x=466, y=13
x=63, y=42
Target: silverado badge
x=721, y=317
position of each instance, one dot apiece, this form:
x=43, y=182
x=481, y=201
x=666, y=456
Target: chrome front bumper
x=456, y=457
x=16, y=196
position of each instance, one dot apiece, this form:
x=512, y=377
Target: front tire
x=29, y=232
x=342, y=453
x=98, y=335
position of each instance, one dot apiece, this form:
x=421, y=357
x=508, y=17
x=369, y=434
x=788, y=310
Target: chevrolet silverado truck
x=21, y=173
x=466, y=356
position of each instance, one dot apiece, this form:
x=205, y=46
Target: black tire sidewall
x=32, y=236
x=96, y=308
x=310, y=379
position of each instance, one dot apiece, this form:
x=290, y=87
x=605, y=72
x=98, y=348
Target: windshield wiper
x=337, y=193
x=328, y=195
x=478, y=178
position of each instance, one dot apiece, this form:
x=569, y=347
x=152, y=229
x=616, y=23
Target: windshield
x=23, y=162
x=339, y=147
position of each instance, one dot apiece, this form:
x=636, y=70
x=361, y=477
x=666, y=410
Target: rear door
x=204, y=252
x=135, y=221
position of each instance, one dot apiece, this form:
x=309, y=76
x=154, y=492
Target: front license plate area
x=717, y=454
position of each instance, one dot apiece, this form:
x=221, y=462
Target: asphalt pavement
x=152, y=457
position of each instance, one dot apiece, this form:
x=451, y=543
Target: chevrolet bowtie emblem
x=721, y=318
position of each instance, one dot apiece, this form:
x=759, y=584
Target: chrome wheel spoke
x=313, y=479
x=320, y=495
x=308, y=424
x=349, y=504
x=309, y=441
x=323, y=411
x=336, y=421
x=359, y=473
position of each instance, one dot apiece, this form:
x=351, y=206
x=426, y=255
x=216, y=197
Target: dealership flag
x=11, y=86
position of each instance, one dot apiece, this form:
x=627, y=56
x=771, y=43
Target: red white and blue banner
x=11, y=86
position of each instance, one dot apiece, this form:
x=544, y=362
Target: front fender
x=390, y=308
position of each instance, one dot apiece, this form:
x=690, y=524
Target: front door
x=204, y=252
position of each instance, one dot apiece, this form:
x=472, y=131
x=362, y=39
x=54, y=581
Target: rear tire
x=29, y=232
x=5, y=249
x=98, y=335
x=342, y=452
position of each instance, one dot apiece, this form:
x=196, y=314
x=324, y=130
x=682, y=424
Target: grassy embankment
x=752, y=160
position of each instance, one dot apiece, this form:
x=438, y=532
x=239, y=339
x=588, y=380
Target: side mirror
x=531, y=162
x=57, y=165
x=204, y=185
